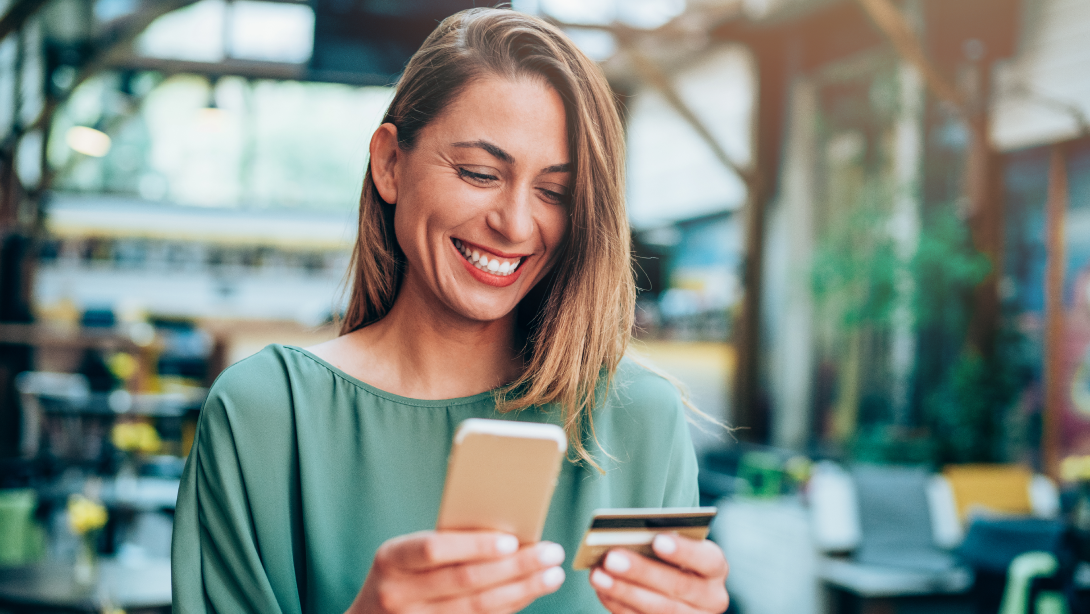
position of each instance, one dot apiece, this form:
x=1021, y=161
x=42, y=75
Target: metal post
x=1055, y=264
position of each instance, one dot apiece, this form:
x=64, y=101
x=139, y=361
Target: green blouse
x=299, y=472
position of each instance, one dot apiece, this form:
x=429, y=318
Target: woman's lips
x=488, y=267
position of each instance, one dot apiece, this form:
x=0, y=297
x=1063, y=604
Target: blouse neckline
x=476, y=398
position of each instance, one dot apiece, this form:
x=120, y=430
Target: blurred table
x=773, y=564
x=142, y=587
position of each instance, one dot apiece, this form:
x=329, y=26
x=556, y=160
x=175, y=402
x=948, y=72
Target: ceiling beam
x=654, y=76
x=651, y=74
x=897, y=30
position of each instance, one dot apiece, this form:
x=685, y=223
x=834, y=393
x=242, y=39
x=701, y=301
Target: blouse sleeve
x=216, y=561
x=682, y=488
x=649, y=452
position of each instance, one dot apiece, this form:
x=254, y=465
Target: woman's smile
x=488, y=266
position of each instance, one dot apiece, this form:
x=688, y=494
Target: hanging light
x=88, y=141
x=212, y=118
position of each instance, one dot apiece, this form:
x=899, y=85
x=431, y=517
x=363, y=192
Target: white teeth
x=493, y=265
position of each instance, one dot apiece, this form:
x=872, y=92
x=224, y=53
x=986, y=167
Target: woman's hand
x=690, y=578
x=458, y=571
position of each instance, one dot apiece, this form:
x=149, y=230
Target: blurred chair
x=994, y=513
x=874, y=526
x=1008, y=490
x=993, y=544
x=1024, y=570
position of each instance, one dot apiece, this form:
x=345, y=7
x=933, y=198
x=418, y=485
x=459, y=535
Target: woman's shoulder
x=640, y=386
x=641, y=401
x=263, y=384
x=266, y=371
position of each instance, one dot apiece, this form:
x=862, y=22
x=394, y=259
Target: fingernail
x=617, y=562
x=507, y=544
x=550, y=554
x=553, y=577
x=664, y=544
x=601, y=579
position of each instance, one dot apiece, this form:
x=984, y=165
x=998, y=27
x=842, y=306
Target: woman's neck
x=423, y=351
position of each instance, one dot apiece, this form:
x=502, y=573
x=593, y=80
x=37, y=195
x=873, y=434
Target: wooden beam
x=235, y=68
x=656, y=78
x=983, y=187
x=899, y=33
x=1055, y=264
x=749, y=405
x=651, y=74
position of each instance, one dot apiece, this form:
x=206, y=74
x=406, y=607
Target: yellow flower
x=148, y=438
x=123, y=366
x=135, y=437
x=85, y=515
x=1075, y=469
x=123, y=436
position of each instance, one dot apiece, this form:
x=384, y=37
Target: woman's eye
x=554, y=197
x=476, y=178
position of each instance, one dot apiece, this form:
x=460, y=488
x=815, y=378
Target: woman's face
x=481, y=199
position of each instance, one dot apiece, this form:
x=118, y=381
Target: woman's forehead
x=524, y=118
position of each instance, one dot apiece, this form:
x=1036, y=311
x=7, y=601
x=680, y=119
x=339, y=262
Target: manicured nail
x=553, y=577
x=601, y=579
x=617, y=562
x=664, y=544
x=550, y=554
x=507, y=544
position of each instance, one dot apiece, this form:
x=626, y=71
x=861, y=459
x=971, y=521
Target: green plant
x=866, y=281
x=858, y=269
x=967, y=411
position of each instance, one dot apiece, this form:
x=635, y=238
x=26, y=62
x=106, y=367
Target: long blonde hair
x=579, y=318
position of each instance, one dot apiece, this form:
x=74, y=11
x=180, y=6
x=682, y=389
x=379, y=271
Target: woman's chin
x=482, y=311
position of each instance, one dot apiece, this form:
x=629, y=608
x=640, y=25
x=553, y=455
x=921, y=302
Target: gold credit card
x=636, y=528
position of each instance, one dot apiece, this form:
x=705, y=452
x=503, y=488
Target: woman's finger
x=706, y=594
x=614, y=606
x=701, y=557
x=638, y=598
x=431, y=549
x=510, y=597
x=467, y=578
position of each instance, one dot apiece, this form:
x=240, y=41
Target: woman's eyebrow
x=557, y=168
x=496, y=152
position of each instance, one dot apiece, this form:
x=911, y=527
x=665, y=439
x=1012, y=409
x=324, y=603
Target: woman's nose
x=512, y=216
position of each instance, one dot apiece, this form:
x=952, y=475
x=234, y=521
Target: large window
x=227, y=142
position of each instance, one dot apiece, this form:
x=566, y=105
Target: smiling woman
x=499, y=151
x=492, y=279
x=538, y=112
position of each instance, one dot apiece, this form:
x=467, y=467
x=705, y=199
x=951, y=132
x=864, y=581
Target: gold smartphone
x=636, y=528
x=500, y=476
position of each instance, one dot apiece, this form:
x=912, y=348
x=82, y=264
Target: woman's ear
x=385, y=154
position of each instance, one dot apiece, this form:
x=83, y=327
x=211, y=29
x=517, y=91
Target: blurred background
x=862, y=239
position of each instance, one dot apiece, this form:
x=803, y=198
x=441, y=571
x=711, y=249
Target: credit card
x=636, y=528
